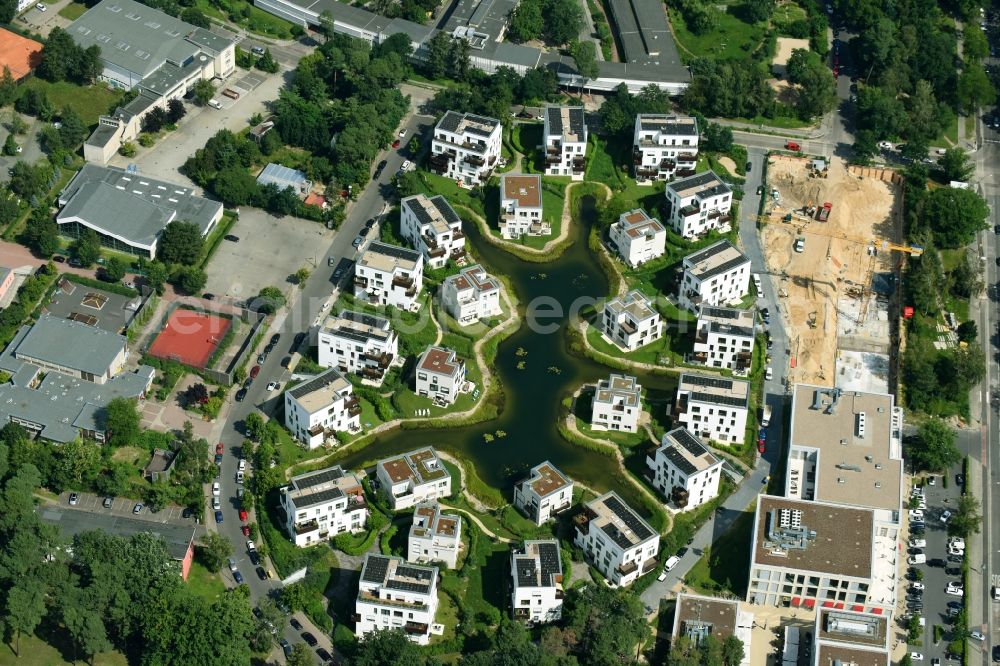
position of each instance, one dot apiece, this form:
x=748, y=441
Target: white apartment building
x=440, y=375
x=433, y=228
x=631, y=322
x=846, y=448
x=521, y=206
x=321, y=406
x=725, y=339
x=617, y=404
x=663, y=146
x=393, y=594
x=684, y=470
x=713, y=407
x=411, y=478
x=322, y=504
x=434, y=536
x=698, y=204
x=620, y=544
x=638, y=238
x=821, y=555
x=564, y=139
x=357, y=342
x=536, y=570
x=716, y=275
x=545, y=492
x=471, y=295
x=466, y=147
x=696, y=617
x=389, y=275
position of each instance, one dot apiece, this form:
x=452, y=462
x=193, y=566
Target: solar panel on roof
x=376, y=567
x=407, y=586
x=724, y=266
x=720, y=313
x=321, y=497
x=527, y=574
x=683, y=437
x=717, y=399
x=702, y=380
x=413, y=572
x=450, y=121
x=679, y=461
x=548, y=558
x=555, y=120
x=628, y=517
x=363, y=318
x=323, y=476
x=617, y=536
x=394, y=251
x=316, y=383
x=447, y=212
x=576, y=121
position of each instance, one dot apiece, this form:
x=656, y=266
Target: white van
x=671, y=563
x=919, y=558
x=756, y=283
x=215, y=104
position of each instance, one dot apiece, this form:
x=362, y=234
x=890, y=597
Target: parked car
x=220, y=447
x=238, y=577
x=137, y=508
x=216, y=489
x=261, y=573
x=325, y=656
x=241, y=395
x=955, y=588
x=257, y=50
x=74, y=499
x=218, y=458
x=768, y=373
x=218, y=516
x=309, y=639
x=402, y=133
x=245, y=529
x=243, y=515
x=946, y=516
x=232, y=238
x=254, y=371
x=261, y=357
x=108, y=502
x=273, y=386
x=296, y=625
x=40, y=7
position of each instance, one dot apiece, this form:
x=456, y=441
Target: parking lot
x=268, y=253
x=123, y=506
x=243, y=86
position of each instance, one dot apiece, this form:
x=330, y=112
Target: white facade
x=410, y=478
x=433, y=228
x=521, y=206
x=536, y=571
x=440, y=375
x=545, y=492
x=684, y=470
x=471, y=295
x=357, y=342
x=698, y=204
x=716, y=275
x=564, y=140
x=394, y=594
x=663, y=146
x=631, y=322
x=434, y=537
x=320, y=406
x=725, y=339
x=713, y=407
x=638, y=238
x=620, y=544
x=466, y=147
x=617, y=404
x=322, y=504
x=389, y=275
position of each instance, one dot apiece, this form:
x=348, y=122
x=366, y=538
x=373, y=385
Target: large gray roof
x=132, y=206
x=70, y=344
x=75, y=521
x=139, y=39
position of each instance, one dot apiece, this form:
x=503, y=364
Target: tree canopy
x=181, y=243
x=933, y=448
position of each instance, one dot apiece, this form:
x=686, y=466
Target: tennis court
x=190, y=337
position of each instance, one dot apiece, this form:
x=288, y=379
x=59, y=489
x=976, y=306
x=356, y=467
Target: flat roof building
x=698, y=204
x=318, y=407
x=716, y=275
x=664, y=146
x=358, y=342
x=617, y=404
x=72, y=348
x=536, y=570
x=631, y=321
x=521, y=210
x=389, y=275
x=466, y=146
x=322, y=504
x=724, y=339
x=684, y=470
x=545, y=492
x=394, y=594
x=283, y=178
x=697, y=617
x=413, y=477
x=713, y=407
x=620, y=544
x=638, y=237
x=434, y=536
x=440, y=375
x=850, y=636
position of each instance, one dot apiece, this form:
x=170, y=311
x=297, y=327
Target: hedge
x=113, y=287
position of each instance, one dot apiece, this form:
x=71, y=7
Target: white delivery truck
x=765, y=416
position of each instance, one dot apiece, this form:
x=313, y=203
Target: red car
x=254, y=371
x=243, y=515
x=219, y=448
x=395, y=144
x=245, y=529
x=761, y=445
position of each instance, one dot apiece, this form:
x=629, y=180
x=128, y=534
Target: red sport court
x=190, y=337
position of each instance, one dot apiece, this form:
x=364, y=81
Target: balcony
x=698, y=357
x=381, y=360
x=694, y=297
x=689, y=210
x=456, y=234
x=681, y=406
x=369, y=597
x=436, y=252
x=627, y=568
x=416, y=628
x=646, y=172
x=361, y=282
x=687, y=157
x=579, y=164
x=458, y=253
x=372, y=373
x=648, y=565
x=637, y=157
x=684, y=173
x=714, y=213
x=553, y=159
x=667, y=165
x=627, y=326
x=554, y=149
x=402, y=282
x=474, y=161
x=353, y=406
x=582, y=520
x=439, y=162
x=306, y=527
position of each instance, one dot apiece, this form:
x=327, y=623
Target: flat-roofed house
x=471, y=295
x=358, y=342
x=631, y=321
x=564, y=139
x=413, y=477
x=663, y=146
x=849, y=636
x=440, y=375
x=638, y=237
x=433, y=228
x=684, y=470
x=521, y=206
x=537, y=590
x=434, y=536
x=322, y=504
x=716, y=275
x=698, y=204
x=697, y=617
x=617, y=404
x=724, y=339
x=713, y=407
x=322, y=405
x=466, y=147
x=545, y=492
x=389, y=275
x=394, y=594
x=72, y=348
x=620, y=544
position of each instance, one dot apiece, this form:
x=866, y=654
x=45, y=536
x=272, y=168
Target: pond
x=532, y=394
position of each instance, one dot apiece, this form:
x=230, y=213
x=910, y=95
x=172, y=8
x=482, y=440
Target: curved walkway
x=474, y=518
x=614, y=361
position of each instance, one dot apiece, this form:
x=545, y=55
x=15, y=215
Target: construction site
x=830, y=235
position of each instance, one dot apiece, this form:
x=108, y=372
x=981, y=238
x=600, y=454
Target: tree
x=254, y=425
x=267, y=63
x=154, y=120
x=156, y=275
x=235, y=186
x=975, y=88
x=585, y=56
x=967, y=332
x=757, y=11
x=563, y=20
x=203, y=91
x=190, y=279
x=967, y=519
x=268, y=615
x=181, y=243
x=817, y=90
x=213, y=550
x=73, y=130
x=10, y=146
x=268, y=300
x=121, y=420
x=955, y=164
x=25, y=608
x=86, y=248
x=438, y=51
x=954, y=216
x=115, y=269
x=175, y=110
x=8, y=10
x=732, y=651
x=195, y=17
x=301, y=276
x=718, y=138
x=386, y=646
x=43, y=234
x=526, y=21
x=196, y=394
x=300, y=656
x=8, y=86
x=933, y=448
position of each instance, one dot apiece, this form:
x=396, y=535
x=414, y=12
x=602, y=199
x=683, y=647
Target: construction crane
x=912, y=250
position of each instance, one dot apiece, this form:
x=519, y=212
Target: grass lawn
x=461, y=196
x=786, y=14
x=204, y=583
x=525, y=139
x=626, y=439
x=553, y=200
x=73, y=11
x=408, y=402
x=36, y=652
x=88, y=101
x=780, y=122
x=651, y=353
x=949, y=137
x=723, y=567
x=731, y=38
x=250, y=17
